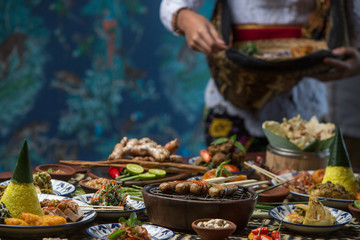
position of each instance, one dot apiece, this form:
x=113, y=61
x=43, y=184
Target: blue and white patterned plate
x=330, y=202
x=32, y=231
x=138, y=205
x=103, y=230
x=60, y=188
x=280, y=212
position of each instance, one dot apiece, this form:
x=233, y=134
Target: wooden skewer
x=240, y=183
x=176, y=167
x=265, y=172
x=255, y=183
x=220, y=179
x=102, y=208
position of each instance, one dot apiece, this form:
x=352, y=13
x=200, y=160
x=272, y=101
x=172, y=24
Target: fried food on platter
x=312, y=214
x=29, y=219
x=144, y=147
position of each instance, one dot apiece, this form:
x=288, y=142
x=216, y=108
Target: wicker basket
x=249, y=82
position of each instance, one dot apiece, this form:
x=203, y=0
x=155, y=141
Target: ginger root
x=140, y=147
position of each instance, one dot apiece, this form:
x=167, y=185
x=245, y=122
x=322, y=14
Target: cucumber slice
x=134, y=169
x=147, y=176
x=158, y=172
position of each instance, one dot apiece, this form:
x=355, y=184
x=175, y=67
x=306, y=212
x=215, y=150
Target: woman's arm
x=200, y=33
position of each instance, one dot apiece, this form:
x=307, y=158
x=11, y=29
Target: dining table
x=349, y=231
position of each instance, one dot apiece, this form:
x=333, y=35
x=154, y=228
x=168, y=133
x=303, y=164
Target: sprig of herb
x=232, y=139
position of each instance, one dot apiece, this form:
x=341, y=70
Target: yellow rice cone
x=21, y=197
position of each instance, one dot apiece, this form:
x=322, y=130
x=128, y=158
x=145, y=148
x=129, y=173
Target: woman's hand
x=200, y=33
x=347, y=67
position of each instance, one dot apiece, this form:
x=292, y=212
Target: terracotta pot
x=213, y=233
x=58, y=171
x=179, y=214
x=277, y=194
x=354, y=211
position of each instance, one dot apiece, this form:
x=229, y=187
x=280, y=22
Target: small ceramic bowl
x=207, y=233
x=277, y=194
x=88, y=189
x=354, y=211
x=57, y=171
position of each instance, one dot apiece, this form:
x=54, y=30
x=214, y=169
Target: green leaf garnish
x=220, y=141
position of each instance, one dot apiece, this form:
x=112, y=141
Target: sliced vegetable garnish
x=357, y=204
x=159, y=173
x=134, y=169
x=147, y=176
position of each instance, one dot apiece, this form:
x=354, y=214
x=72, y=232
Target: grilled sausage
x=183, y=188
x=167, y=187
x=220, y=191
x=199, y=188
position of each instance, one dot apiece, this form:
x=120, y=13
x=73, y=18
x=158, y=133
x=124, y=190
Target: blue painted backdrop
x=77, y=76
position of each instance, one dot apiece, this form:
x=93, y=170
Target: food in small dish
x=96, y=183
x=213, y=229
x=57, y=171
x=354, y=208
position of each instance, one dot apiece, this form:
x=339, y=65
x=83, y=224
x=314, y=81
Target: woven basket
x=249, y=82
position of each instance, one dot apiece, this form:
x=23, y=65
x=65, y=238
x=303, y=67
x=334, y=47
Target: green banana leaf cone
x=338, y=153
x=23, y=171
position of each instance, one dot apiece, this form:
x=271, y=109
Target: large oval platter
x=103, y=230
x=102, y=172
x=60, y=188
x=33, y=231
x=138, y=205
x=280, y=212
x=330, y=202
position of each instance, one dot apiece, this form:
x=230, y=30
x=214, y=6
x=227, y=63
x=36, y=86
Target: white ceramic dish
x=138, y=205
x=103, y=230
x=60, y=188
x=330, y=202
x=32, y=231
x=280, y=212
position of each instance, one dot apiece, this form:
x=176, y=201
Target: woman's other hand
x=342, y=68
x=200, y=33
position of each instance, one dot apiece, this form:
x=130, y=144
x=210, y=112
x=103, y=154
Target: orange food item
x=239, y=178
x=209, y=174
x=231, y=168
x=318, y=176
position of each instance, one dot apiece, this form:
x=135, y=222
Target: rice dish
x=341, y=175
x=21, y=197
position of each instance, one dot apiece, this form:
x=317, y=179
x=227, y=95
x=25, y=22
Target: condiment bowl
x=210, y=233
x=57, y=171
x=277, y=194
x=354, y=211
x=89, y=189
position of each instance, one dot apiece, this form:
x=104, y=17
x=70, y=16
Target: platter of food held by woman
x=26, y=213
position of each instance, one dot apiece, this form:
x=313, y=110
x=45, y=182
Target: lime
x=147, y=176
x=357, y=204
x=158, y=172
x=134, y=169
